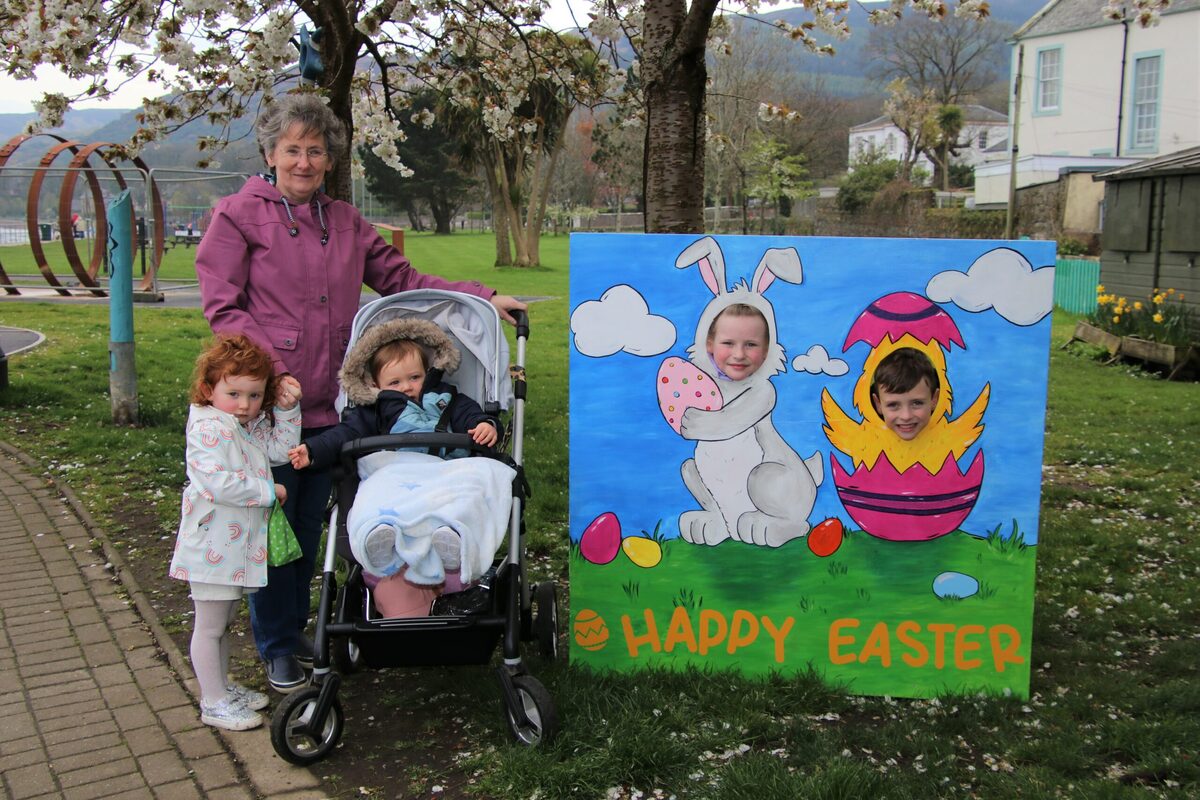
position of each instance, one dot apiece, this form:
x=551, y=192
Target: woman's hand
x=280, y=493
x=287, y=392
x=484, y=433
x=505, y=303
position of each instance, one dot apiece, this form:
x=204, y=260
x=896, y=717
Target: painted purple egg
x=896, y=314
x=601, y=540
x=911, y=506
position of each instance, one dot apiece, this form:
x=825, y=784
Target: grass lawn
x=1114, y=710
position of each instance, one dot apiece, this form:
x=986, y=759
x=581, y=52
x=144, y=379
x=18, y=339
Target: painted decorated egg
x=590, y=631
x=825, y=539
x=601, y=540
x=643, y=551
x=955, y=584
x=909, y=506
x=682, y=386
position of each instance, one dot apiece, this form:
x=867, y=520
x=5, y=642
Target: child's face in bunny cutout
x=738, y=344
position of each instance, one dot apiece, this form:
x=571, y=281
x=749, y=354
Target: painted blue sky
x=624, y=456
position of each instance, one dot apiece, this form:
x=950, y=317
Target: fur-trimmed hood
x=355, y=374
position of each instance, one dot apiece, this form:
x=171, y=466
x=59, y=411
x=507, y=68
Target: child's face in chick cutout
x=739, y=345
x=906, y=413
x=405, y=375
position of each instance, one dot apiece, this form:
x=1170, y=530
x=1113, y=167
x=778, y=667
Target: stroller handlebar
x=522, y=322
x=393, y=441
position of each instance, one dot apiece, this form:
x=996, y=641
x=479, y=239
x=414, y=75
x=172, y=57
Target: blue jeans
x=279, y=610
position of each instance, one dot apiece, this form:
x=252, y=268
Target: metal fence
x=1075, y=281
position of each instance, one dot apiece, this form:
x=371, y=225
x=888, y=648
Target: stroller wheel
x=546, y=622
x=538, y=706
x=296, y=736
x=347, y=657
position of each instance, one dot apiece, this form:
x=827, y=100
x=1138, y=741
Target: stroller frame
x=308, y=723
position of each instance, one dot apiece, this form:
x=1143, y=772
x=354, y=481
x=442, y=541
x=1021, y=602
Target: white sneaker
x=379, y=546
x=255, y=701
x=230, y=715
x=448, y=545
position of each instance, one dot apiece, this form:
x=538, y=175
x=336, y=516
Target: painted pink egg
x=681, y=386
x=912, y=506
x=899, y=313
x=601, y=540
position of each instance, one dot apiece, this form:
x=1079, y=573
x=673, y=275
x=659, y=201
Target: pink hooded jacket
x=293, y=295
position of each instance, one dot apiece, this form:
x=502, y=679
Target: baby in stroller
x=411, y=538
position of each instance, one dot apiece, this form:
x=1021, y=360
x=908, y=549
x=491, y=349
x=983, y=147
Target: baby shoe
x=255, y=701
x=229, y=714
x=379, y=546
x=448, y=545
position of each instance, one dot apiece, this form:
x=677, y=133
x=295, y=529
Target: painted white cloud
x=620, y=321
x=817, y=361
x=1001, y=279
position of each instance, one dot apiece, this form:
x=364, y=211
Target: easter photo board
x=773, y=522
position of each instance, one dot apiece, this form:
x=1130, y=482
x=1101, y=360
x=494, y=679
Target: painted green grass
x=788, y=610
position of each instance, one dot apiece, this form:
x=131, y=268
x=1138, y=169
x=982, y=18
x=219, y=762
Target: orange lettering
x=707, y=639
x=738, y=639
x=649, y=638
x=680, y=631
x=836, y=640
x=878, y=645
x=904, y=633
x=962, y=647
x=939, y=645
x=1005, y=654
x=780, y=633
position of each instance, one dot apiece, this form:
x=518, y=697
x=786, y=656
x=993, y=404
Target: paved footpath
x=94, y=695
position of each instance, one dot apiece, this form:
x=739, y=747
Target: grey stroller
x=504, y=609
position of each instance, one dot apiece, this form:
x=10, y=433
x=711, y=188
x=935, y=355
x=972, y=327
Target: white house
x=1094, y=87
x=982, y=129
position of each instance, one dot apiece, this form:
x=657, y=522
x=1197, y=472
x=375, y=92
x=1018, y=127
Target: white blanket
x=418, y=493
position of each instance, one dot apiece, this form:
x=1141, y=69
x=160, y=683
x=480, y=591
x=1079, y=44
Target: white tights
x=210, y=646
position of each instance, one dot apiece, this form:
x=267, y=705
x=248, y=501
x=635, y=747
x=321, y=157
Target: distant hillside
x=77, y=124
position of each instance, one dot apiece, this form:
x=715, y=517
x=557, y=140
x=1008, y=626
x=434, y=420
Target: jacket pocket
x=283, y=337
x=342, y=342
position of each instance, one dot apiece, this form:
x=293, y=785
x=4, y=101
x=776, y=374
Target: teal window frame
x=1042, y=83
x=1141, y=97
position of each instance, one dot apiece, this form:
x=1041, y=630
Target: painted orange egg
x=590, y=631
x=825, y=539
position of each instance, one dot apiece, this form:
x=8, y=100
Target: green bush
x=1162, y=318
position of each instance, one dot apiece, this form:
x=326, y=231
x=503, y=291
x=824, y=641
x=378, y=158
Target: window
x=983, y=140
x=890, y=144
x=1147, y=82
x=1049, y=80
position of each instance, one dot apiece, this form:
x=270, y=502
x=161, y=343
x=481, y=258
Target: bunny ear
x=706, y=254
x=777, y=262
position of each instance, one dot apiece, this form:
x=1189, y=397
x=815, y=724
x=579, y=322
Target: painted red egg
x=601, y=540
x=911, y=506
x=825, y=539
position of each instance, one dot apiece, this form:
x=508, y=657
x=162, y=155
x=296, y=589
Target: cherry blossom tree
x=217, y=58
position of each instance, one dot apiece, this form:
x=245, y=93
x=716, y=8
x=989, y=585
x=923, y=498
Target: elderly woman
x=285, y=264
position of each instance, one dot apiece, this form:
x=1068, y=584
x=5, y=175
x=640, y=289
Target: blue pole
x=122, y=375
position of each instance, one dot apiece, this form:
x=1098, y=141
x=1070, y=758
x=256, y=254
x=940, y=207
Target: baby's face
x=906, y=413
x=404, y=375
x=739, y=345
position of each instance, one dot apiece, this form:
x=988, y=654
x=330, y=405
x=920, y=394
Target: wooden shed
x=1151, y=227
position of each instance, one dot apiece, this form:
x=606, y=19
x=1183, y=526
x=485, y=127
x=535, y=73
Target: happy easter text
x=908, y=643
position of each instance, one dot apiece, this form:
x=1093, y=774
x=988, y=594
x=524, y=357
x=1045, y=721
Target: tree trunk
x=674, y=72
x=499, y=219
x=442, y=211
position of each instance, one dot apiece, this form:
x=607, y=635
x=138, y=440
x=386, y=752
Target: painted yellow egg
x=590, y=631
x=642, y=551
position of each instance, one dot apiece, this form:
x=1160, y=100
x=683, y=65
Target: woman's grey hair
x=310, y=112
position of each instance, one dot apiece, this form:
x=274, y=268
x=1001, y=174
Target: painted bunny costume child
x=221, y=547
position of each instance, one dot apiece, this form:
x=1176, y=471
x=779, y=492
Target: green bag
x=282, y=545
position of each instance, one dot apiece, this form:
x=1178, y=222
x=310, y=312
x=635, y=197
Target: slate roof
x=972, y=115
x=1183, y=162
x=1064, y=16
